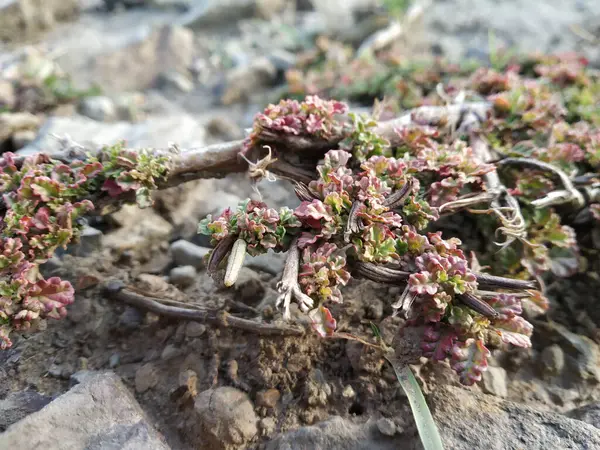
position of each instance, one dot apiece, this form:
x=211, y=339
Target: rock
x=457, y=26
x=467, y=420
x=224, y=127
x=185, y=253
x=24, y=18
x=216, y=13
x=169, y=48
x=82, y=376
x=18, y=405
x=282, y=60
x=316, y=389
x=130, y=319
x=245, y=80
x=552, y=360
x=146, y=378
x=375, y=309
x=170, y=352
x=223, y=418
x=267, y=426
x=175, y=81
x=588, y=414
x=8, y=98
x=90, y=241
x=386, y=426
x=183, y=276
x=139, y=227
x=338, y=433
x=494, y=381
x=23, y=138
x=154, y=132
x=99, y=413
x=268, y=398
x=267, y=262
x=348, y=392
x=114, y=360
x=194, y=329
x=99, y=108
x=249, y=287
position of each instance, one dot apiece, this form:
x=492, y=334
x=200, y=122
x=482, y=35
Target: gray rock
x=223, y=418
x=90, y=241
x=114, y=360
x=339, y=433
x=267, y=262
x=243, y=81
x=552, y=360
x=457, y=26
x=386, y=426
x=183, y=276
x=215, y=13
x=169, y=352
x=176, y=81
x=25, y=18
x=139, y=64
x=130, y=319
x=99, y=108
x=185, y=253
x=82, y=376
x=146, y=378
x=18, y=405
x=99, y=414
x=194, y=329
x=467, y=420
x=154, y=133
x=588, y=413
x=494, y=381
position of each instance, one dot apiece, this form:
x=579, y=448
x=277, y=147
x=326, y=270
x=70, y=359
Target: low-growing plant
x=518, y=148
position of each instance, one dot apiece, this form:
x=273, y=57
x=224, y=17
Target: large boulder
x=99, y=413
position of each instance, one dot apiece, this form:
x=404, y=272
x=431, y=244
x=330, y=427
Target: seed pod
x=235, y=262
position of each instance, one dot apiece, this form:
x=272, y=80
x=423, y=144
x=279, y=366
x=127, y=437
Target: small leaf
x=469, y=360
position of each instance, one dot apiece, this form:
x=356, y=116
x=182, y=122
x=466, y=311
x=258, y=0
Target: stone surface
x=172, y=80
x=386, y=426
x=467, y=420
x=156, y=132
x=99, y=108
x=267, y=262
x=588, y=413
x=339, y=433
x=90, y=241
x=100, y=414
x=18, y=405
x=183, y=276
x=185, y=253
x=223, y=418
x=552, y=360
x=194, y=329
x=458, y=28
x=25, y=18
x=244, y=80
x=494, y=381
x=146, y=378
x=170, y=48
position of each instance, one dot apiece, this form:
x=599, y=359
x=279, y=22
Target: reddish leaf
x=469, y=360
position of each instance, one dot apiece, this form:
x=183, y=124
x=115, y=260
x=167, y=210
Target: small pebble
x=194, y=329
x=386, y=426
x=552, y=360
x=169, y=352
x=185, y=253
x=145, y=378
x=495, y=381
x=183, y=276
x=114, y=361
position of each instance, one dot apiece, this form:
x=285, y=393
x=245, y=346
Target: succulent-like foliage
x=369, y=207
x=44, y=201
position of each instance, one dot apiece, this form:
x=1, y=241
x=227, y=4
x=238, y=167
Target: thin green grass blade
x=430, y=436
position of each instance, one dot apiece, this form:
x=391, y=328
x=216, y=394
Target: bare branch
x=117, y=290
